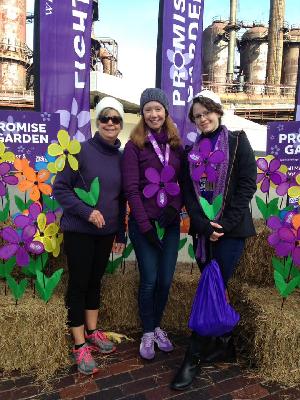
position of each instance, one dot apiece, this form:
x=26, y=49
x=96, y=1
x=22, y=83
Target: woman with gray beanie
x=91, y=232
x=151, y=167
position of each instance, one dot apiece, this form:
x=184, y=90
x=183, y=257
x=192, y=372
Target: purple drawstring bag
x=211, y=315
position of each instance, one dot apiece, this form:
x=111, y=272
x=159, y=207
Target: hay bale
x=269, y=336
x=33, y=335
x=255, y=266
x=119, y=308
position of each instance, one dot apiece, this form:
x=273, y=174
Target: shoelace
x=161, y=334
x=85, y=353
x=100, y=335
x=148, y=340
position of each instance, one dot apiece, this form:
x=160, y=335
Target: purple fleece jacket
x=134, y=164
x=96, y=158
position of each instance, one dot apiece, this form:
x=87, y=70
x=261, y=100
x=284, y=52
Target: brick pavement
x=125, y=376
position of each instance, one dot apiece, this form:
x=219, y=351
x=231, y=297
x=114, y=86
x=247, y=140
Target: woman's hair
x=106, y=112
x=209, y=104
x=140, y=131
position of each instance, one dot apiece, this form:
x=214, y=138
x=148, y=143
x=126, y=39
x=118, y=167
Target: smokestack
x=232, y=40
x=275, y=48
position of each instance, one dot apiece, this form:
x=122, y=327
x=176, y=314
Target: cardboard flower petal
x=65, y=150
x=34, y=183
x=22, y=220
x=20, y=244
x=160, y=184
x=205, y=160
x=20, y=165
x=58, y=242
x=6, y=178
x=6, y=155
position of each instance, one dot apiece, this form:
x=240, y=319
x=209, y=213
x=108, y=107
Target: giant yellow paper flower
x=46, y=233
x=65, y=149
x=7, y=156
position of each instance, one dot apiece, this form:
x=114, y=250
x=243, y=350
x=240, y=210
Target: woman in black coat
x=219, y=162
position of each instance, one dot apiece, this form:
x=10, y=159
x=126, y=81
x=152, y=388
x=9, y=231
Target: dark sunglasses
x=115, y=120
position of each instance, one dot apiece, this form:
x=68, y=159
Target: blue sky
x=134, y=27
x=133, y=24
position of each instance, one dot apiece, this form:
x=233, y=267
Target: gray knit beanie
x=154, y=94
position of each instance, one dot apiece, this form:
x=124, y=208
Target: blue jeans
x=227, y=252
x=156, y=272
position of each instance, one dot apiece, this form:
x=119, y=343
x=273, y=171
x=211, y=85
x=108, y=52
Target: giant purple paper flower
x=5, y=178
x=160, y=184
x=34, y=209
x=284, y=238
x=20, y=244
x=269, y=173
x=205, y=160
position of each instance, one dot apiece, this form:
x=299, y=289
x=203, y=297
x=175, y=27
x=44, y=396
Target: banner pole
x=36, y=56
x=159, y=44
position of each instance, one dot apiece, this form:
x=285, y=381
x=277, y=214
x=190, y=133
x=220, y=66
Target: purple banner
x=65, y=44
x=179, y=58
x=283, y=142
x=28, y=134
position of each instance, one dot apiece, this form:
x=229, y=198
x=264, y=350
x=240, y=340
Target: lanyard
x=163, y=159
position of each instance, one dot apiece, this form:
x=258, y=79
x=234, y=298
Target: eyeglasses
x=114, y=119
x=205, y=114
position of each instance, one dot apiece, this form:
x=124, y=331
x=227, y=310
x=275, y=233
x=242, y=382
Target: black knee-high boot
x=223, y=350
x=190, y=367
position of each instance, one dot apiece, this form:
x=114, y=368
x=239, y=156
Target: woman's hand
x=216, y=235
x=97, y=218
x=118, y=248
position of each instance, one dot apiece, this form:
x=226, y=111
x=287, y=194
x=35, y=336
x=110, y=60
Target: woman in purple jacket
x=90, y=233
x=151, y=167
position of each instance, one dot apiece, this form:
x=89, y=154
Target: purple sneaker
x=147, y=346
x=162, y=340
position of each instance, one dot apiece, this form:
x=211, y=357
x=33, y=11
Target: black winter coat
x=240, y=187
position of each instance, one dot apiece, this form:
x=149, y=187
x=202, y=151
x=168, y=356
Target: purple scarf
x=219, y=185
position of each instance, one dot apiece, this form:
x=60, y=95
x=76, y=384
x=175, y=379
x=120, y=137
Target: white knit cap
x=210, y=95
x=109, y=102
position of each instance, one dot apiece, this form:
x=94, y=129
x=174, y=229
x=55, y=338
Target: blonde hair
x=140, y=131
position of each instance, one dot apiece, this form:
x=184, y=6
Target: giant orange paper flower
x=34, y=183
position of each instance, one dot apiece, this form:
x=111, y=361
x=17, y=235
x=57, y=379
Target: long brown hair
x=140, y=131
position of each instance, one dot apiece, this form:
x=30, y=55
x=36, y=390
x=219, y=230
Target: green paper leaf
x=112, y=266
x=263, y=208
x=160, y=231
x=91, y=198
x=5, y=213
x=127, y=251
x=182, y=243
x=207, y=208
x=35, y=265
x=285, y=289
x=273, y=207
x=21, y=205
x=291, y=286
x=17, y=290
x=217, y=204
x=7, y=267
x=191, y=251
x=45, y=286
x=50, y=203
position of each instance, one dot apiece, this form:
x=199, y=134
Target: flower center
x=66, y=152
x=36, y=183
x=161, y=184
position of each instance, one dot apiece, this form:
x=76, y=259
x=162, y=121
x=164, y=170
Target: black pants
x=87, y=257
